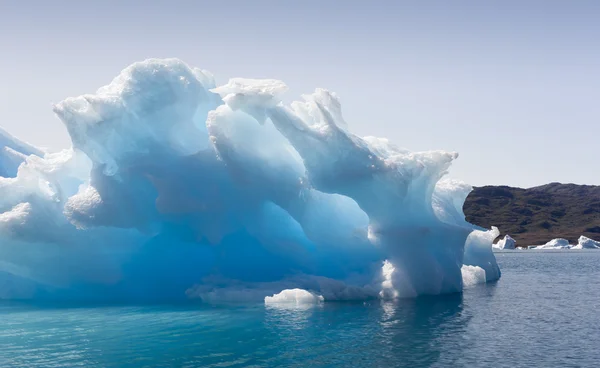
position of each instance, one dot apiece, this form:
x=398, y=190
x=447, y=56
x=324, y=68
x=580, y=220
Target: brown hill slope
x=536, y=215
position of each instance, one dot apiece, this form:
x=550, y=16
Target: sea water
x=543, y=312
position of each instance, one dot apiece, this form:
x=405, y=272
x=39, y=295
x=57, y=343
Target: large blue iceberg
x=176, y=188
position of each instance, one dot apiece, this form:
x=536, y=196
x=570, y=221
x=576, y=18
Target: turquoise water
x=544, y=312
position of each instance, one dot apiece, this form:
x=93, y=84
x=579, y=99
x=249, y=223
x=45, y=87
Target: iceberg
x=505, y=243
x=175, y=188
x=586, y=243
x=583, y=243
x=558, y=243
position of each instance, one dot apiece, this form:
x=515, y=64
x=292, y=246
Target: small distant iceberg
x=586, y=243
x=558, y=243
x=583, y=243
x=506, y=243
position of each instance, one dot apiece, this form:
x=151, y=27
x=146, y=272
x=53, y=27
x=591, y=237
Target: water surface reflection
x=399, y=333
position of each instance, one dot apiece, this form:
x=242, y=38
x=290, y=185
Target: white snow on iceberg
x=175, y=188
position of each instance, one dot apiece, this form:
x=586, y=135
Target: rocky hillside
x=536, y=215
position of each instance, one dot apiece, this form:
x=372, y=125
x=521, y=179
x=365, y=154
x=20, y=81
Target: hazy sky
x=513, y=86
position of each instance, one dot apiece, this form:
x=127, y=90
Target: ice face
x=177, y=188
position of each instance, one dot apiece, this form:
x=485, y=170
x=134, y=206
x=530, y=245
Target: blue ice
x=175, y=188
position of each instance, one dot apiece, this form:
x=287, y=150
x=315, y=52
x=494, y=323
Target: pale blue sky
x=513, y=86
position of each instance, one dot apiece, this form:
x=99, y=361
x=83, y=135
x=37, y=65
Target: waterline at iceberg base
x=175, y=188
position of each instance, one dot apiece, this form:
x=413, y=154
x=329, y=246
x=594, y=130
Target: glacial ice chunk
x=478, y=252
x=586, y=243
x=175, y=187
x=294, y=296
x=473, y=275
x=558, y=243
x=506, y=243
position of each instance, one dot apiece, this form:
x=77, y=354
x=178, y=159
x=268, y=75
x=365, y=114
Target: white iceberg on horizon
x=558, y=243
x=586, y=243
x=506, y=243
